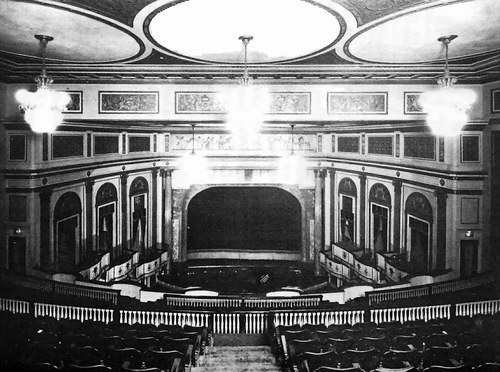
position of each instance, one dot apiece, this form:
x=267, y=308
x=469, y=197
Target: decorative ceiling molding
x=108, y=42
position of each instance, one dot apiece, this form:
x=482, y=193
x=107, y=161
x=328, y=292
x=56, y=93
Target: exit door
x=468, y=258
x=17, y=254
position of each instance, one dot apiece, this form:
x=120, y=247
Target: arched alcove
x=67, y=231
x=106, y=206
x=380, y=218
x=139, y=190
x=419, y=217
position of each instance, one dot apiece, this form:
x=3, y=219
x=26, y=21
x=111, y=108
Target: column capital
x=441, y=193
x=397, y=184
x=166, y=172
x=320, y=172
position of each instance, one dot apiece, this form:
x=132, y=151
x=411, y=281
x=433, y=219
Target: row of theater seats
x=47, y=344
x=457, y=344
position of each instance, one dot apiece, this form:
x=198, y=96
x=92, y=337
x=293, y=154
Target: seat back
x=165, y=360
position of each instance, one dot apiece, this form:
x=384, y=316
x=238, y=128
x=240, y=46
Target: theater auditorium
x=235, y=185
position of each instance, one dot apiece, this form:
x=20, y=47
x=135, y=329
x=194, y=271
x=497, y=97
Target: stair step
x=238, y=359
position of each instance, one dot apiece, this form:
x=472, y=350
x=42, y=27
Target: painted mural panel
x=198, y=103
x=271, y=142
x=412, y=103
x=357, y=103
x=75, y=104
x=128, y=102
x=290, y=103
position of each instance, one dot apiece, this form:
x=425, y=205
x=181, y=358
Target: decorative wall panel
x=17, y=147
x=67, y=146
x=290, y=103
x=441, y=148
x=106, y=145
x=167, y=142
x=412, y=104
x=421, y=147
x=470, y=148
x=128, y=102
x=380, y=145
x=139, y=143
x=348, y=144
x=469, y=210
x=357, y=103
x=495, y=101
x=302, y=142
x=75, y=104
x=198, y=102
x=17, y=208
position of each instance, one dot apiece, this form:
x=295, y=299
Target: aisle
x=238, y=359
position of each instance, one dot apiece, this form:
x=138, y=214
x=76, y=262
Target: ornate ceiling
x=336, y=40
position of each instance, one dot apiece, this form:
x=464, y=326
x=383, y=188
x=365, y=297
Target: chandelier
x=245, y=105
x=42, y=109
x=193, y=168
x=447, y=106
x=246, y=79
x=292, y=168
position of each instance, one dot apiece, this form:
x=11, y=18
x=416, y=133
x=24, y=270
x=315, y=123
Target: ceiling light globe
x=42, y=119
x=447, y=109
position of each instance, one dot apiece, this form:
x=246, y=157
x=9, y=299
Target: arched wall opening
x=244, y=222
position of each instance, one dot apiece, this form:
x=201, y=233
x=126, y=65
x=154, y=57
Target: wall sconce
x=469, y=234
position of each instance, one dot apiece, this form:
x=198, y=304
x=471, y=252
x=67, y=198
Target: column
x=319, y=185
x=89, y=218
x=441, y=197
x=362, y=210
x=167, y=207
x=154, y=196
x=327, y=211
x=46, y=256
x=397, y=215
x=125, y=218
x=333, y=199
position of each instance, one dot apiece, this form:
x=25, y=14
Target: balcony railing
x=421, y=291
x=95, y=270
x=60, y=288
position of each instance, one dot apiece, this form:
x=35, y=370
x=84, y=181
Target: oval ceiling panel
x=209, y=29
x=412, y=38
x=77, y=38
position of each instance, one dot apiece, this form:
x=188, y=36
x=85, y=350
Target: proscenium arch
x=189, y=194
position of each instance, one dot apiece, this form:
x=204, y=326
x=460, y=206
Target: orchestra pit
x=261, y=186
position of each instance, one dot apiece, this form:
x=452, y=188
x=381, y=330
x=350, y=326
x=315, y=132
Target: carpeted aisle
x=238, y=359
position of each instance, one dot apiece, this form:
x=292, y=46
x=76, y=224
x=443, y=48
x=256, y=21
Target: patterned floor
x=238, y=359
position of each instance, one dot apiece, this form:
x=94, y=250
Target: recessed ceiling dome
x=78, y=37
x=281, y=29
x=411, y=38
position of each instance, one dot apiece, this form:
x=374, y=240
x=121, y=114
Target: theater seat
x=43, y=367
x=334, y=369
x=446, y=369
x=94, y=368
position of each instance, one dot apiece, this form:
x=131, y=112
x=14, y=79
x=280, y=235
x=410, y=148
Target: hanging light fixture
x=447, y=106
x=246, y=79
x=292, y=168
x=193, y=168
x=42, y=109
x=245, y=105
